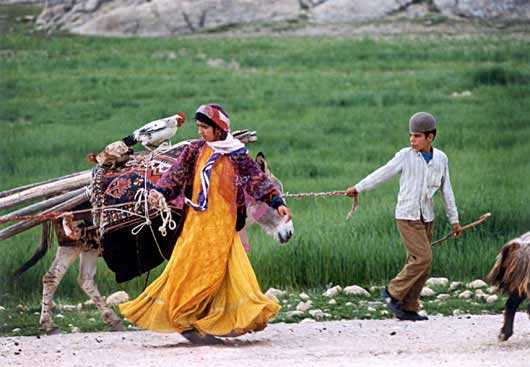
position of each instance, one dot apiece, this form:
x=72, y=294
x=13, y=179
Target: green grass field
x=327, y=111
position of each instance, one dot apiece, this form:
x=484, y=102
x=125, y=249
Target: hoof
x=53, y=331
x=503, y=337
x=117, y=327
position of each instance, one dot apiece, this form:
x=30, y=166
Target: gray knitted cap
x=422, y=122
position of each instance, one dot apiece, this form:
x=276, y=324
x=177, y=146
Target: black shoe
x=413, y=316
x=395, y=308
x=387, y=297
x=393, y=304
x=194, y=337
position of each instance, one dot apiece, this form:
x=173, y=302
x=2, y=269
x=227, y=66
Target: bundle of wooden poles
x=57, y=195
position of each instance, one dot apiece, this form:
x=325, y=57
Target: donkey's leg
x=87, y=281
x=50, y=281
x=509, y=313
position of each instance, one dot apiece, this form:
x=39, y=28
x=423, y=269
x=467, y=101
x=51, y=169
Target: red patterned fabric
x=118, y=187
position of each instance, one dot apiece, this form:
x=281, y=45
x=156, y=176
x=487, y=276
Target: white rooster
x=156, y=132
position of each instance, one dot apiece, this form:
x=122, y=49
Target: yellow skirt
x=208, y=284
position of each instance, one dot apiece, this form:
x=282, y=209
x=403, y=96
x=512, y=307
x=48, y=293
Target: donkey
x=85, y=243
x=511, y=273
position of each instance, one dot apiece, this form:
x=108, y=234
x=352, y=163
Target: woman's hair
x=219, y=133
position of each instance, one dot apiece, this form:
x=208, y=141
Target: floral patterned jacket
x=177, y=182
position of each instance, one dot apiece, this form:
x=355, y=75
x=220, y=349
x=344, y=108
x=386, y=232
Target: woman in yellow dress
x=208, y=287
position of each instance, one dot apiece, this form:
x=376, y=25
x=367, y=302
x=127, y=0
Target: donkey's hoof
x=53, y=330
x=504, y=336
x=117, y=326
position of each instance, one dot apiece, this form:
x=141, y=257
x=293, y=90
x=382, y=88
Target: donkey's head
x=267, y=217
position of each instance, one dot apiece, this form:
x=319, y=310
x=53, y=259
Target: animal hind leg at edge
x=50, y=282
x=513, y=302
x=87, y=282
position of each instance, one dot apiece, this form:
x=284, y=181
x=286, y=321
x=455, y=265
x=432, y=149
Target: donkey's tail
x=45, y=243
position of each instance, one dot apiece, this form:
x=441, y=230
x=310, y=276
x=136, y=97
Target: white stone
x=493, y=289
x=492, y=299
x=371, y=309
x=304, y=306
x=117, y=298
x=15, y=330
x=308, y=320
x=479, y=293
x=75, y=329
x=276, y=293
x=349, y=303
x=272, y=297
x=319, y=314
x=304, y=296
x=479, y=283
x=59, y=316
x=465, y=295
x=293, y=313
x=423, y=313
x=333, y=291
x=355, y=290
x=465, y=93
x=431, y=282
x=2, y=308
x=443, y=296
x=457, y=313
x=92, y=319
x=332, y=302
x=427, y=292
x=67, y=308
x=455, y=285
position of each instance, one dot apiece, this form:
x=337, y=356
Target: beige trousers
x=407, y=285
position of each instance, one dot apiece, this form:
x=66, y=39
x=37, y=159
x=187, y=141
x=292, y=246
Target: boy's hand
x=352, y=192
x=457, y=230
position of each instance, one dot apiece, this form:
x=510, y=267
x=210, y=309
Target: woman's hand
x=285, y=213
x=156, y=199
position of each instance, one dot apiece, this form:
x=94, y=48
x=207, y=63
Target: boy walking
x=423, y=170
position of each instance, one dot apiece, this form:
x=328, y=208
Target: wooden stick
x=43, y=205
x=30, y=186
x=467, y=226
x=27, y=224
x=47, y=189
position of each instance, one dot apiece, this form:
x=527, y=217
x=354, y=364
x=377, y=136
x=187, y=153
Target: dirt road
x=441, y=341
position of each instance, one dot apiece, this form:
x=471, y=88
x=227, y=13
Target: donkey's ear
x=261, y=161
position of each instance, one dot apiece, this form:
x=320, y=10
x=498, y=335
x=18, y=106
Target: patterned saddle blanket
x=114, y=192
x=114, y=198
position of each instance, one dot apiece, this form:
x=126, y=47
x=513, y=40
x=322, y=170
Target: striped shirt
x=418, y=183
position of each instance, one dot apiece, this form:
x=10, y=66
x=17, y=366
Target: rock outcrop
x=484, y=9
x=166, y=17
